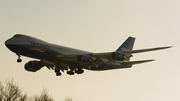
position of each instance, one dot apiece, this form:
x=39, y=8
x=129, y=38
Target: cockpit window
x=16, y=35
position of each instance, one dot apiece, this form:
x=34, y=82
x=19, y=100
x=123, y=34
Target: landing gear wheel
x=58, y=74
x=19, y=60
x=79, y=71
x=57, y=71
x=70, y=72
x=82, y=71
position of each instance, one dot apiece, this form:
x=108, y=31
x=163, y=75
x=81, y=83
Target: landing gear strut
x=19, y=60
x=57, y=71
x=71, y=72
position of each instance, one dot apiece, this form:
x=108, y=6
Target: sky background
x=97, y=26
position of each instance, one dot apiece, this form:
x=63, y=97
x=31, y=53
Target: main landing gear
x=70, y=72
x=57, y=71
x=77, y=70
x=19, y=60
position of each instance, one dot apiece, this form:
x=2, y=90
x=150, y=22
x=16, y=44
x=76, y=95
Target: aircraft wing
x=102, y=56
x=135, y=62
x=97, y=57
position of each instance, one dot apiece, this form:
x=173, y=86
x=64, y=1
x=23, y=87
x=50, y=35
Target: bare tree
x=35, y=98
x=12, y=92
x=1, y=91
x=68, y=99
x=43, y=97
x=24, y=97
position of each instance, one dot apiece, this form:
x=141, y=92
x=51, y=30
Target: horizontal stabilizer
x=135, y=62
x=146, y=50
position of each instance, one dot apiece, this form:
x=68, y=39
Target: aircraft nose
x=11, y=45
x=7, y=42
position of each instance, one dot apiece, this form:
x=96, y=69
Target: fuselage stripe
x=38, y=48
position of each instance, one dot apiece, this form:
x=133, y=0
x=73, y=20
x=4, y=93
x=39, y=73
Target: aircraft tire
x=58, y=74
x=70, y=72
x=19, y=60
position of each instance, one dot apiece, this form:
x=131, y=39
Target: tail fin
x=127, y=45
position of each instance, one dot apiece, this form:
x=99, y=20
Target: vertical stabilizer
x=127, y=45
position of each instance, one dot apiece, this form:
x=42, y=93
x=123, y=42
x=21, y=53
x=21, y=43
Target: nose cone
x=8, y=42
x=12, y=44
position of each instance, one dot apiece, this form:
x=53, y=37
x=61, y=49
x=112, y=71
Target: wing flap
x=135, y=62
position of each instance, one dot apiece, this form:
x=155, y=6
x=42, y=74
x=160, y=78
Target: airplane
x=60, y=58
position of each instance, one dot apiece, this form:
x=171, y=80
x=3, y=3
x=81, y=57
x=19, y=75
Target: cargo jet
x=61, y=58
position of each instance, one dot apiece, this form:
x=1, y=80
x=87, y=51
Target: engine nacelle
x=117, y=56
x=33, y=66
x=83, y=59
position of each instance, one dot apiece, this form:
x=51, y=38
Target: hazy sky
x=97, y=26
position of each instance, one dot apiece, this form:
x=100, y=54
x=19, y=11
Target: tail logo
x=124, y=49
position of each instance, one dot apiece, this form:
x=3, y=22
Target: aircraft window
x=16, y=35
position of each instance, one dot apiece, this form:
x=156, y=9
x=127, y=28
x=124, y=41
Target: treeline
x=10, y=91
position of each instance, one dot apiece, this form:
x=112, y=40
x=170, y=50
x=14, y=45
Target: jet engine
x=33, y=66
x=83, y=59
x=117, y=56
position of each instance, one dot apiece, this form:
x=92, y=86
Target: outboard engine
x=118, y=56
x=83, y=59
x=33, y=66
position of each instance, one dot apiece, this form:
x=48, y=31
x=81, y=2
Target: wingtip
x=169, y=46
x=151, y=60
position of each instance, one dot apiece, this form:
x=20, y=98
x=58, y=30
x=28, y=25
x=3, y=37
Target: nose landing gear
x=19, y=60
